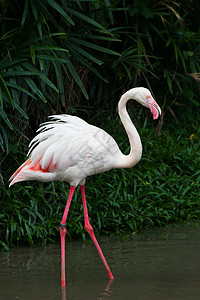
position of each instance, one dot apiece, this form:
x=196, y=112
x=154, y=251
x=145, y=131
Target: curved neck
x=127, y=161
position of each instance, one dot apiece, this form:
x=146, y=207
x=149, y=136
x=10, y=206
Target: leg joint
x=88, y=227
x=63, y=225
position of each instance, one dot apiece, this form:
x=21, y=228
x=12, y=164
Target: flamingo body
x=69, y=149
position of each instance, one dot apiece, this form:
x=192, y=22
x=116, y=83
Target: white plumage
x=69, y=149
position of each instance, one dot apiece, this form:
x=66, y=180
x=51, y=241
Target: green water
x=156, y=265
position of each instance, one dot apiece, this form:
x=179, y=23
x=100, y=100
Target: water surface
x=156, y=265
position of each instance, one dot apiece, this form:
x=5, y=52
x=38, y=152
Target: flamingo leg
x=63, y=234
x=90, y=230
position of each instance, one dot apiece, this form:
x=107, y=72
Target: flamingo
x=69, y=149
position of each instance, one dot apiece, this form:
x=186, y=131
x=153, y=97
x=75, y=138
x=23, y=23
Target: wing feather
x=59, y=142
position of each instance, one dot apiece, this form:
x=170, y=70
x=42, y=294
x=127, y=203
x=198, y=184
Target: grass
x=163, y=188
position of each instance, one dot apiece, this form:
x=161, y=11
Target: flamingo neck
x=128, y=161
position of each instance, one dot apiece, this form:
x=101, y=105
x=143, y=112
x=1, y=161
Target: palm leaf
x=6, y=90
x=41, y=75
x=18, y=87
x=88, y=20
x=5, y=142
x=77, y=79
x=59, y=9
x=25, y=13
x=75, y=49
x=5, y=118
x=59, y=79
x=94, y=46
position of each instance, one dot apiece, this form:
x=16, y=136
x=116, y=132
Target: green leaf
x=41, y=75
x=84, y=53
x=25, y=12
x=5, y=247
x=108, y=5
x=15, y=86
x=5, y=118
x=4, y=136
x=48, y=82
x=32, y=52
x=6, y=62
x=9, y=34
x=59, y=79
x=51, y=58
x=19, y=73
x=1, y=98
x=88, y=20
x=37, y=17
x=35, y=89
x=87, y=65
x=147, y=13
x=28, y=232
x=42, y=64
x=95, y=47
x=74, y=74
x=59, y=9
x=6, y=90
x=50, y=48
x=21, y=111
x=97, y=37
x=176, y=51
x=169, y=82
x=169, y=41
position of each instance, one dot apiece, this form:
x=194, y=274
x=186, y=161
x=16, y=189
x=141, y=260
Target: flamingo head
x=142, y=96
x=145, y=98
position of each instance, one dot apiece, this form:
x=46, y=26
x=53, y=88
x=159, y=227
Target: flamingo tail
x=30, y=170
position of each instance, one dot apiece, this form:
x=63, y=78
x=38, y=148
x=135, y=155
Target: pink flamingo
x=69, y=149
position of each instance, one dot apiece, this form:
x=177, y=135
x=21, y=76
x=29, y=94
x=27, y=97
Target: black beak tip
x=156, y=122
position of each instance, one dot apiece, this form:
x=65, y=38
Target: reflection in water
x=153, y=265
x=107, y=292
x=63, y=292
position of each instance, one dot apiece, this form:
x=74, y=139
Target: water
x=155, y=265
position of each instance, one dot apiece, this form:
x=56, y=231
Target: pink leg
x=90, y=230
x=63, y=233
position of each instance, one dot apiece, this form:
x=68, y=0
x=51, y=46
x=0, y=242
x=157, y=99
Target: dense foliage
x=78, y=57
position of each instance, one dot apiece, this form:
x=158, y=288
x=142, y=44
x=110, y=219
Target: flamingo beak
x=154, y=107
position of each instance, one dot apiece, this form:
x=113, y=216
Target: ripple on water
x=155, y=265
